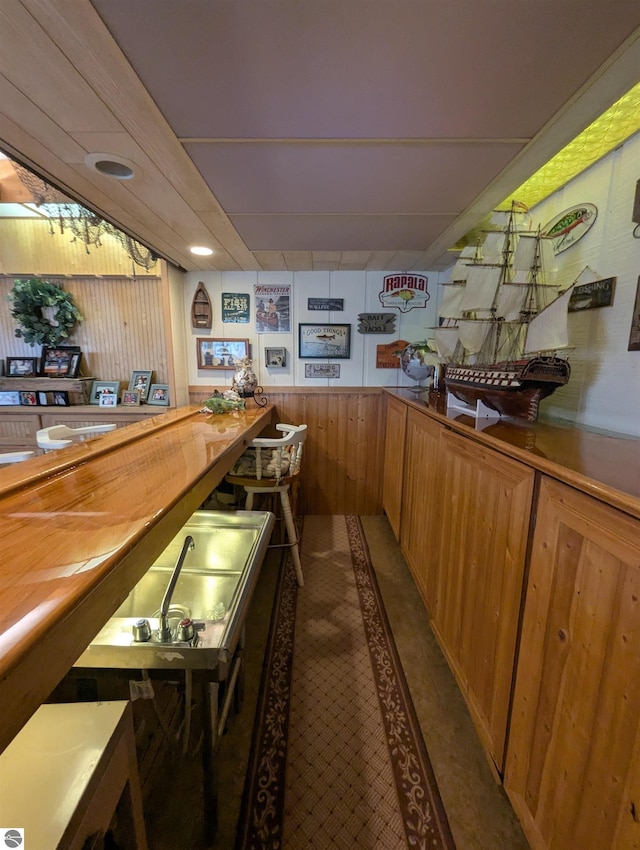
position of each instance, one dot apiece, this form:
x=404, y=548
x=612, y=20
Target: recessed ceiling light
x=201, y=251
x=111, y=165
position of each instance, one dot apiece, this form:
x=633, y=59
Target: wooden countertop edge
x=603, y=492
x=23, y=475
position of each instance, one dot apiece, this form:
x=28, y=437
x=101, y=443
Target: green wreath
x=29, y=298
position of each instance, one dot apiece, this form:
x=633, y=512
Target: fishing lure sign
x=570, y=225
x=404, y=291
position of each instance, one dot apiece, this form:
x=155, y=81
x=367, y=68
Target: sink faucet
x=164, y=632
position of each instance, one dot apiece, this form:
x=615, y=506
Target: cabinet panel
x=18, y=431
x=394, y=462
x=421, y=506
x=485, y=503
x=572, y=764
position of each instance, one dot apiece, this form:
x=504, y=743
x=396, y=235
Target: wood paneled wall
x=28, y=248
x=123, y=328
x=344, y=451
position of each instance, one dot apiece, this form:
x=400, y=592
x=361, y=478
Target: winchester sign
x=404, y=291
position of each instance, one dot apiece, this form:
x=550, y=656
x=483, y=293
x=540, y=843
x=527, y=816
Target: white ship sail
x=446, y=339
x=451, y=305
x=481, y=288
x=548, y=330
x=472, y=335
x=512, y=297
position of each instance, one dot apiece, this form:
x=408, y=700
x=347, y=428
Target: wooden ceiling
x=290, y=135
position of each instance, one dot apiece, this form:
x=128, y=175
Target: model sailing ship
x=502, y=320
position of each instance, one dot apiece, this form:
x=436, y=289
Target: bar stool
x=59, y=436
x=66, y=772
x=14, y=457
x=271, y=465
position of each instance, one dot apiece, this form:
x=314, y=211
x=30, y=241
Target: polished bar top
x=79, y=527
x=605, y=465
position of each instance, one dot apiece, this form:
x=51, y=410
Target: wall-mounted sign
x=318, y=341
x=388, y=356
x=404, y=291
x=376, y=323
x=325, y=303
x=570, y=226
x=273, y=308
x=322, y=370
x=235, y=308
x=596, y=293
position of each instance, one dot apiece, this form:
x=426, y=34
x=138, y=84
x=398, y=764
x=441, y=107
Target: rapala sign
x=404, y=291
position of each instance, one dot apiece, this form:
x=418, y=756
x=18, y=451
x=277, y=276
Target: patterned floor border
x=425, y=820
x=260, y=825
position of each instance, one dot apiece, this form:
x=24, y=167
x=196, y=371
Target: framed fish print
x=322, y=341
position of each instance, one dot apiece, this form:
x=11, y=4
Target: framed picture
x=322, y=370
x=320, y=341
x=131, y=398
x=221, y=353
x=100, y=388
x=9, y=398
x=61, y=398
x=22, y=367
x=140, y=380
x=275, y=358
x=158, y=394
x=108, y=399
x=61, y=361
x=28, y=397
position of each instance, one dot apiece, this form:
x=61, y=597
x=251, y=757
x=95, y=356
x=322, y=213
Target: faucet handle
x=185, y=629
x=141, y=630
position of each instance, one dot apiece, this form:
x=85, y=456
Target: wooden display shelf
x=79, y=389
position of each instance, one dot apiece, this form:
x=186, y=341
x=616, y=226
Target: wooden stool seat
x=63, y=775
x=280, y=458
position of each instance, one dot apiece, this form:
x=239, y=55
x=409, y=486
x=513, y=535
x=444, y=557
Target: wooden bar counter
x=524, y=542
x=81, y=525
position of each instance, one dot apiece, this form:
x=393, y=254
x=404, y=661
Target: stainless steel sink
x=213, y=589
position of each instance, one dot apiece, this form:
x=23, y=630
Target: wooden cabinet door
x=393, y=462
x=421, y=505
x=485, y=501
x=573, y=759
x=18, y=431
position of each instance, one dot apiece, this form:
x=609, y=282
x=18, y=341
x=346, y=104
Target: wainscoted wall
x=344, y=452
x=124, y=326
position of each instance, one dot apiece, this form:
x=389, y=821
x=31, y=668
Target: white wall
x=604, y=389
x=359, y=290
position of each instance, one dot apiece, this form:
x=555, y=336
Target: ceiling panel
x=364, y=68
x=339, y=232
x=348, y=178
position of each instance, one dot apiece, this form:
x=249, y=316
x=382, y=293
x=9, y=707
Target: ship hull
x=514, y=389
